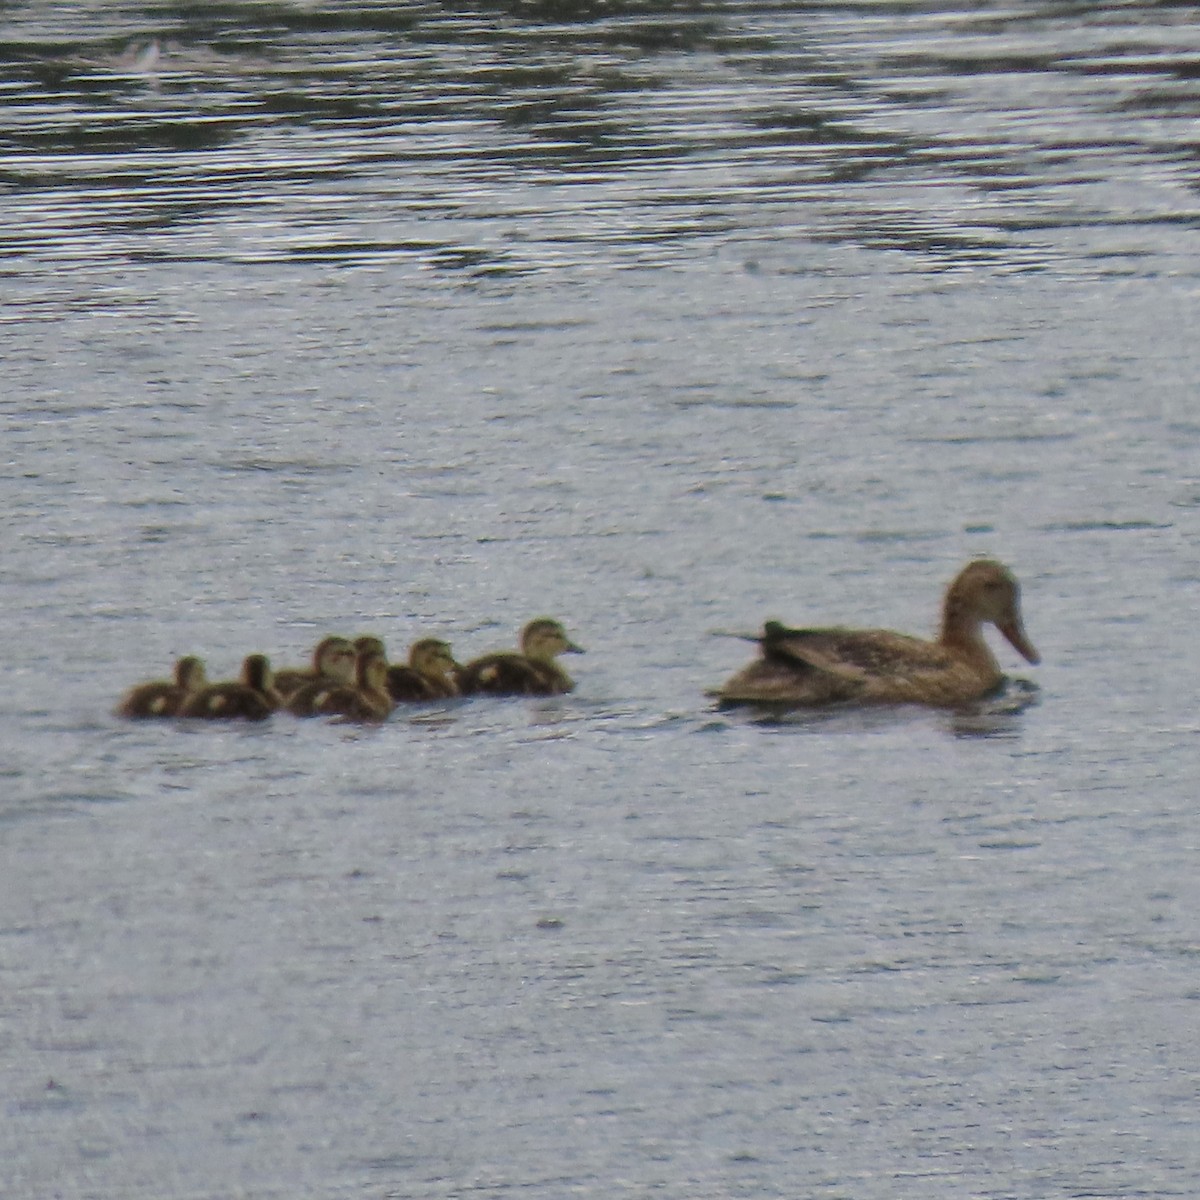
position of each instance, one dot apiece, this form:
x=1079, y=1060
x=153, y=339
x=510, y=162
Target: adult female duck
x=877, y=666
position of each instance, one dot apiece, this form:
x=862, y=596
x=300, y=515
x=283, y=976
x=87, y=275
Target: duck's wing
x=787, y=681
x=336, y=699
x=306, y=701
x=509, y=674
x=159, y=698
x=227, y=701
x=855, y=655
x=876, y=665
x=350, y=704
x=408, y=685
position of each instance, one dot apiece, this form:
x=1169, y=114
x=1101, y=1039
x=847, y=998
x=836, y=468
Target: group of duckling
x=353, y=680
x=795, y=667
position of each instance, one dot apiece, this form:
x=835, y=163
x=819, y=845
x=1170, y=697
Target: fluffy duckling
x=531, y=671
x=332, y=662
x=877, y=666
x=252, y=697
x=163, y=697
x=430, y=674
x=366, y=699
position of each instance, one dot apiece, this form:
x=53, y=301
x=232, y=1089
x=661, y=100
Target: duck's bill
x=572, y=648
x=1016, y=636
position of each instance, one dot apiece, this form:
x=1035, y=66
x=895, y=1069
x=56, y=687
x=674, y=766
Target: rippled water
x=663, y=318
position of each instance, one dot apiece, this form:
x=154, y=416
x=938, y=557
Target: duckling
x=364, y=700
x=429, y=675
x=332, y=662
x=531, y=671
x=252, y=697
x=306, y=700
x=162, y=697
x=877, y=666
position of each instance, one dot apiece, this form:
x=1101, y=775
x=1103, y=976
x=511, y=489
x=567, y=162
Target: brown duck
x=163, y=697
x=332, y=660
x=251, y=698
x=530, y=671
x=366, y=699
x=431, y=673
x=877, y=666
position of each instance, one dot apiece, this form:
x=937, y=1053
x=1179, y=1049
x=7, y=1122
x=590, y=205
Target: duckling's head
x=256, y=672
x=545, y=639
x=190, y=674
x=431, y=656
x=986, y=590
x=369, y=642
x=334, y=658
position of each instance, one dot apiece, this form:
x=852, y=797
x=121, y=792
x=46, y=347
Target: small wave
x=1104, y=526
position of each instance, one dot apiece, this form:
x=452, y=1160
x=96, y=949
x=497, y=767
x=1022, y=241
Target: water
x=662, y=319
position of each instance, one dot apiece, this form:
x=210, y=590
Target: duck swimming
x=251, y=698
x=877, y=666
x=366, y=699
x=431, y=673
x=332, y=660
x=531, y=671
x=162, y=697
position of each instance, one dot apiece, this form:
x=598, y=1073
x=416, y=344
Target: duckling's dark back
x=511, y=674
x=251, y=698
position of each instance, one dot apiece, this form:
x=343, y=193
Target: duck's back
x=784, y=680
x=159, y=698
x=877, y=652
x=408, y=685
x=511, y=674
x=306, y=700
x=828, y=666
x=227, y=701
x=353, y=703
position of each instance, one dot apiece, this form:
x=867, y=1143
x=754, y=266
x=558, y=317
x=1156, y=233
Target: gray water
x=663, y=319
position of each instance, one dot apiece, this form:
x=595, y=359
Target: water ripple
x=203, y=136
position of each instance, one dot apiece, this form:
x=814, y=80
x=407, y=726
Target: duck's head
x=334, y=658
x=986, y=590
x=256, y=672
x=190, y=674
x=369, y=642
x=431, y=656
x=370, y=672
x=545, y=639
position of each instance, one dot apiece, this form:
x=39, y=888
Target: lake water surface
x=663, y=318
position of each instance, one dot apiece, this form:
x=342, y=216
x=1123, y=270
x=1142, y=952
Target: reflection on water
x=550, y=132
x=997, y=716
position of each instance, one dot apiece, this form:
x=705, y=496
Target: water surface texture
x=664, y=319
